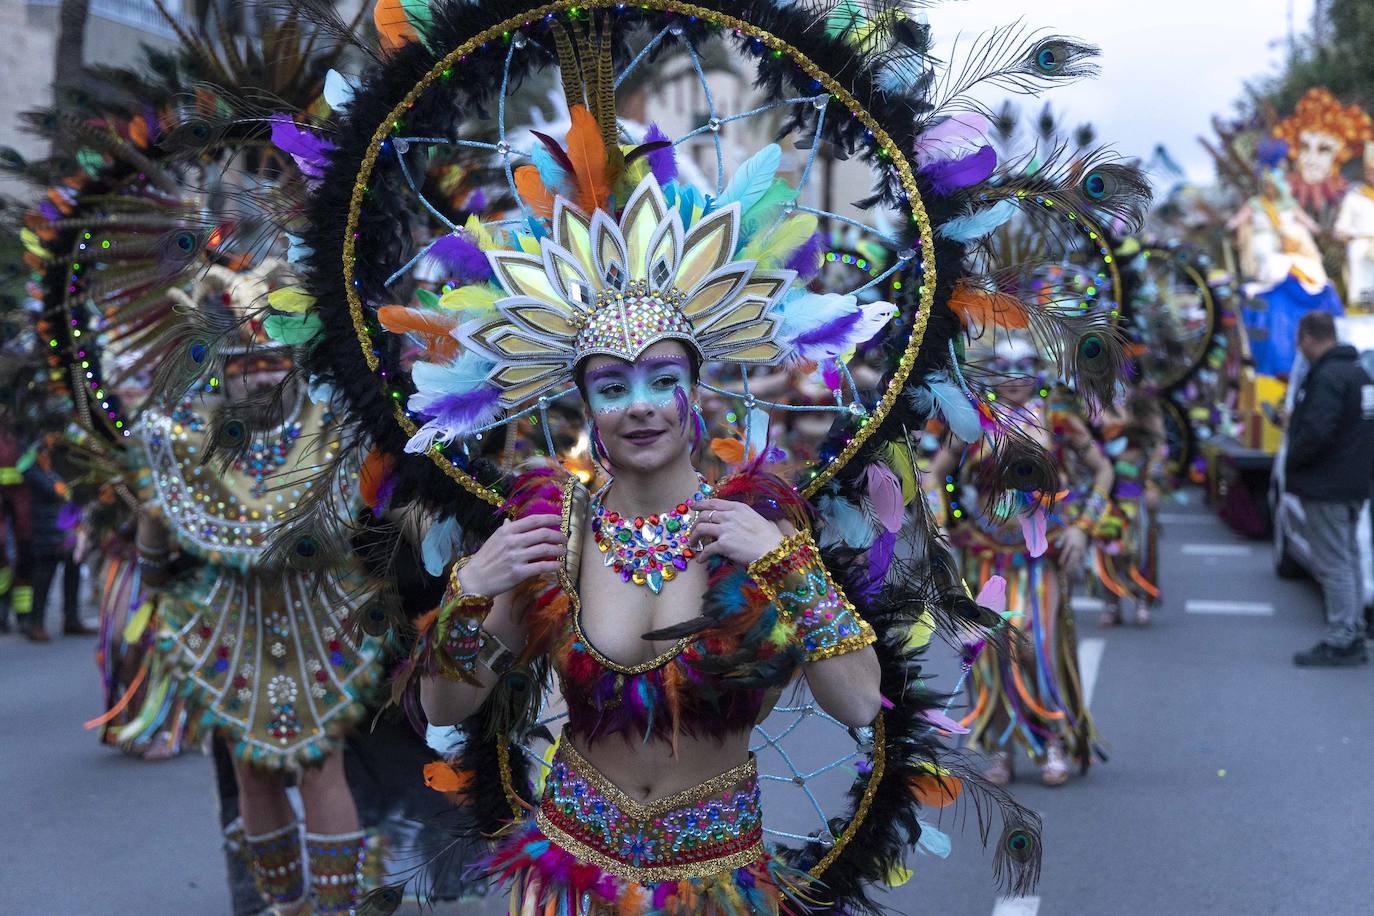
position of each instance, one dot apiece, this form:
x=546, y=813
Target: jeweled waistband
x=712, y=827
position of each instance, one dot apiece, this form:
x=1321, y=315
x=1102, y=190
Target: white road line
x=1086, y=604
x=1016, y=906
x=1217, y=550
x=1240, y=608
x=1186, y=518
x=1089, y=663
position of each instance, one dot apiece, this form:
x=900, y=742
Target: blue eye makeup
x=652, y=382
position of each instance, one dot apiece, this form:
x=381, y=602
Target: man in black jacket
x=1330, y=459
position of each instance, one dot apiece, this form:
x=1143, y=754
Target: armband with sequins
x=794, y=578
x=457, y=642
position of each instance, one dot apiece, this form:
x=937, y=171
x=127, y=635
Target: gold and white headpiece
x=602, y=287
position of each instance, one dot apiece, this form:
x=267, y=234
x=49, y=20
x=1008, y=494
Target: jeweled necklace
x=647, y=551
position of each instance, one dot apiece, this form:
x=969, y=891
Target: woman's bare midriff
x=647, y=771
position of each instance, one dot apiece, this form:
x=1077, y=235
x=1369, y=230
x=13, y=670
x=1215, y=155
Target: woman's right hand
x=520, y=548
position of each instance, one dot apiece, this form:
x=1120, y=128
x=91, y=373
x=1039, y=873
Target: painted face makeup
x=659, y=381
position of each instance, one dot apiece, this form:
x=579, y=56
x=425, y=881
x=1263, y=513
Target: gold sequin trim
x=762, y=572
x=905, y=174
x=758, y=570
x=585, y=853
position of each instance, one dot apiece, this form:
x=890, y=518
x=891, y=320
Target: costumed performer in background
x=256, y=643
x=1026, y=690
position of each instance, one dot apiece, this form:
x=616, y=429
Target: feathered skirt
x=591, y=850
x=1027, y=689
x=264, y=660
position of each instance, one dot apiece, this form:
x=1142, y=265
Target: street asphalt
x=1238, y=784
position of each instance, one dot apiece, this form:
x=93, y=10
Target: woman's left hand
x=734, y=531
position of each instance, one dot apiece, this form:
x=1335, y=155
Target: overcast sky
x=1167, y=65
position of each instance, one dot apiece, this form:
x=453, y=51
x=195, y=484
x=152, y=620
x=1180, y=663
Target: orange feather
x=376, y=466
x=672, y=695
x=138, y=132
x=442, y=777
x=393, y=28
x=982, y=307
x=431, y=326
x=731, y=451
x=588, y=154
x=936, y=790
x=531, y=189
x=634, y=899
x=544, y=623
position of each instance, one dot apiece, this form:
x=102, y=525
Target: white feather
x=805, y=312
x=338, y=91
x=960, y=415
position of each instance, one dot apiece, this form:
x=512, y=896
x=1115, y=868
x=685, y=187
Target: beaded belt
x=710, y=828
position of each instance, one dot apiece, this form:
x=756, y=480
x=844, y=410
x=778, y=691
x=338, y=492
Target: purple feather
x=879, y=558
x=68, y=517
x=465, y=410
x=462, y=258
x=662, y=162
x=806, y=260
x=49, y=210
x=477, y=202
x=949, y=175
x=385, y=490
x=309, y=149
x=831, y=373
x=829, y=333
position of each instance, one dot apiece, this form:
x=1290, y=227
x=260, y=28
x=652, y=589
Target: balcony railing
x=138, y=14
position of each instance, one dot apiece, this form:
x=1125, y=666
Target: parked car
x=1292, y=552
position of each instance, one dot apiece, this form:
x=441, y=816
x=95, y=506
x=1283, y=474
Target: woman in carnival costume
x=1026, y=690
x=1127, y=548
x=596, y=269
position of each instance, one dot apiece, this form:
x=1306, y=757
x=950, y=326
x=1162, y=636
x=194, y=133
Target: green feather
x=773, y=248
x=293, y=330
x=897, y=456
x=765, y=210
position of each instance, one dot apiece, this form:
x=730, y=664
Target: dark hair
x=1318, y=326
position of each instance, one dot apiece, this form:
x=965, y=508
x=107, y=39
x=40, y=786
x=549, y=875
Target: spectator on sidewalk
x=54, y=539
x=1330, y=456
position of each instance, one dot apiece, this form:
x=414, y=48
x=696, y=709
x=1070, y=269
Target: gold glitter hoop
x=887, y=150
x=1194, y=275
